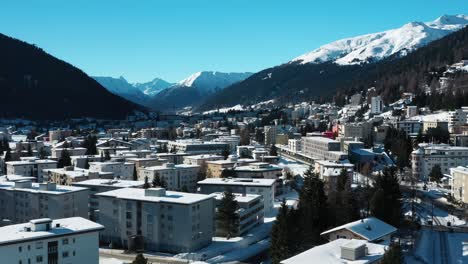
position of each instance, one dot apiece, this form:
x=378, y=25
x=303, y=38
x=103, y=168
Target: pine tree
x=102, y=157
x=140, y=259
x=386, y=200
x=64, y=160
x=225, y=152
x=107, y=156
x=393, y=255
x=436, y=174
x=42, y=153
x=273, y=150
x=313, y=209
x=157, y=182
x=280, y=236
x=226, y=215
x=30, y=152
x=146, y=185
x=135, y=174
x=201, y=174
x=86, y=165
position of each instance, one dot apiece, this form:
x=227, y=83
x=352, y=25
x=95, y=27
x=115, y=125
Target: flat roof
x=169, y=197
x=238, y=181
x=68, y=226
x=29, y=162
x=60, y=189
x=109, y=183
x=242, y=198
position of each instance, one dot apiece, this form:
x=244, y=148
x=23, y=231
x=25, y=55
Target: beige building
x=460, y=183
x=215, y=168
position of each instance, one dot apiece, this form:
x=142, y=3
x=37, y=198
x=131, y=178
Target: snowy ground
x=424, y=212
x=296, y=168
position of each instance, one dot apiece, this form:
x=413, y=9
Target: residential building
x=411, y=127
x=460, y=183
x=270, y=133
x=96, y=186
x=200, y=159
x=322, y=148
x=376, y=105
x=31, y=167
x=295, y=145
x=73, y=240
x=456, y=119
x=122, y=170
x=411, y=110
x=427, y=155
x=428, y=124
x=370, y=229
x=264, y=187
x=198, y=147
x=177, y=177
x=156, y=220
x=262, y=170
x=215, y=168
x=251, y=212
x=70, y=174
x=24, y=200
x=57, y=152
x=329, y=171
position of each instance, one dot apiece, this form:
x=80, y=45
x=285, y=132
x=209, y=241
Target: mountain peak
x=212, y=80
x=376, y=46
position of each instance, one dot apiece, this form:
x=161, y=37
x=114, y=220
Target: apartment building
x=177, y=177
x=198, y=147
x=215, y=168
x=376, y=105
x=456, y=119
x=24, y=200
x=200, y=159
x=122, y=170
x=261, y=170
x=57, y=152
x=96, y=186
x=251, y=212
x=270, y=133
x=70, y=174
x=32, y=167
x=73, y=240
x=428, y=155
x=157, y=220
x=460, y=183
x=355, y=130
x=322, y=148
x=329, y=171
x=295, y=145
x=264, y=187
x=411, y=127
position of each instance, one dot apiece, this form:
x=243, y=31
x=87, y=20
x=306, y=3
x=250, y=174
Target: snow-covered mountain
x=210, y=81
x=153, y=87
x=123, y=88
x=376, y=46
x=194, y=89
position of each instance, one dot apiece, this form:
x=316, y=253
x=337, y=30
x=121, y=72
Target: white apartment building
x=197, y=146
x=460, y=183
x=355, y=130
x=200, y=159
x=261, y=170
x=329, y=171
x=166, y=221
x=428, y=155
x=122, y=170
x=251, y=212
x=411, y=127
x=96, y=186
x=376, y=105
x=57, y=152
x=322, y=148
x=456, y=119
x=264, y=187
x=31, y=167
x=176, y=176
x=270, y=133
x=72, y=240
x=411, y=110
x=22, y=201
x=295, y=145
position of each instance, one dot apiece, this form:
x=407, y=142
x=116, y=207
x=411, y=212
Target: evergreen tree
x=436, y=174
x=273, y=150
x=225, y=152
x=280, y=236
x=135, y=174
x=244, y=137
x=42, y=154
x=102, y=157
x=226, y=215
x=228, y=173
x=30, y=152
x=184, y=189
x=201, y=174
x=107, y=156
x=64, y=160
x=393, y=255
x=140, y=259
x=313, y=209
x=146, y=185
x=157, y=181
x=386, y=200
x=86, y=165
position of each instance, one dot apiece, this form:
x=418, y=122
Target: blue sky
x=172, y=39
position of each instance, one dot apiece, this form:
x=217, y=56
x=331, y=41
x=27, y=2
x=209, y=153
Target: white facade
x=411, y=110
x=460, y=183
x=176, y=176
x=376, y=105
x=322, y=148
x=32, y=168
x=57, y=152
x=198, y=147
x=168, y=221
x=69, y=240
x=258, y=170
x=22, y=201
x=270, y=135
x=295, y=145
x=264, y=187
x=456, y=119
x=199, y=159
x=122, y=170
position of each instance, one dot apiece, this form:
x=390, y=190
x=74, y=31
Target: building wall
x=460, y=185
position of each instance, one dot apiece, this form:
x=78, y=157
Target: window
x=38, y=259
x=65, y=254
x=20, y=249
x=65, y=241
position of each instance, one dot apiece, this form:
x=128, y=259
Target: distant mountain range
x=159, y=94
x=321, y=72
x=36, y=85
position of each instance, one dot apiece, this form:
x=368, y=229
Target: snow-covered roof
x=238, y=181
x=330, y=253
x=110, y=183
x=369, y=228
x=18, y=233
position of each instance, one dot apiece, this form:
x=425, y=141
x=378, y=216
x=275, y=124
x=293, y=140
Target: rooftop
x=167, y=197
x=38, y=187
x=110, y=183
x=369, y=228
x=330, y=253
x=17, y=233
x=239, y=181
